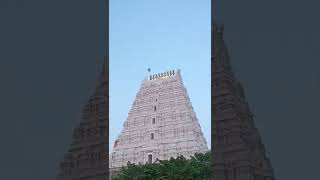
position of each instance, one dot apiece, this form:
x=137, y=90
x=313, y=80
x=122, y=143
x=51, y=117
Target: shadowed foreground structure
x=87, y=157
x=237, y=148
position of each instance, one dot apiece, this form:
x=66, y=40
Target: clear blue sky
x=162, y=35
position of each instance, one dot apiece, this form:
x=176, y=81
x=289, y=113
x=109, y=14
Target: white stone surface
x=176, y=129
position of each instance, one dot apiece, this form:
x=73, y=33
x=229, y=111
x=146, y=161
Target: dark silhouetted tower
x=237, y=148
x=87, y=157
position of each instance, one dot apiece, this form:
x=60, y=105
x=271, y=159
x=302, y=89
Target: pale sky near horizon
x=162, y=35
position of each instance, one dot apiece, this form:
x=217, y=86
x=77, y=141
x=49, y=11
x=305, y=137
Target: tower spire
x=219, y=52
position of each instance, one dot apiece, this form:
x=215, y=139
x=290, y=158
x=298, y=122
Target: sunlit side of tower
x=161, y=124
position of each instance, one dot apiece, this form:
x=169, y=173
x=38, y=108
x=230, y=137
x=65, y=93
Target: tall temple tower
x=87, y=157
x=237, y=148
x=161, y=124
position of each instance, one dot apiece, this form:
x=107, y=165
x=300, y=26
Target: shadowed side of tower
x=238, y=153
x=87, y=156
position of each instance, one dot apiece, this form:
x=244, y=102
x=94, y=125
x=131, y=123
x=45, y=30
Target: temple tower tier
x=161, y=124
x=238, y=151
x=87, y=156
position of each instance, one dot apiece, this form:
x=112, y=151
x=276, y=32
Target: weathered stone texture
x=160, y=125
x=238, y=151
x=87, y=156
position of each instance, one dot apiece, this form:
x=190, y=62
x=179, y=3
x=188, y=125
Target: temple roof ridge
x=163, y=75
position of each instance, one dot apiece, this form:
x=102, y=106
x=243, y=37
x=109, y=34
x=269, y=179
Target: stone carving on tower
x=237, y=148
x=87, y=156
x=161, y=124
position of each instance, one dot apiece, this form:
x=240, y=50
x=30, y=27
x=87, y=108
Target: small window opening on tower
x=152, y=136
x=153, y=120
x=156, y=99
x=149, y=158
x=154, y=108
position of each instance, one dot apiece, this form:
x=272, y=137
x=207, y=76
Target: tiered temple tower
x=87, y=157
x=160, y=125
x=238, y=151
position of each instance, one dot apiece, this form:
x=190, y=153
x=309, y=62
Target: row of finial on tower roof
x=161, y=75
